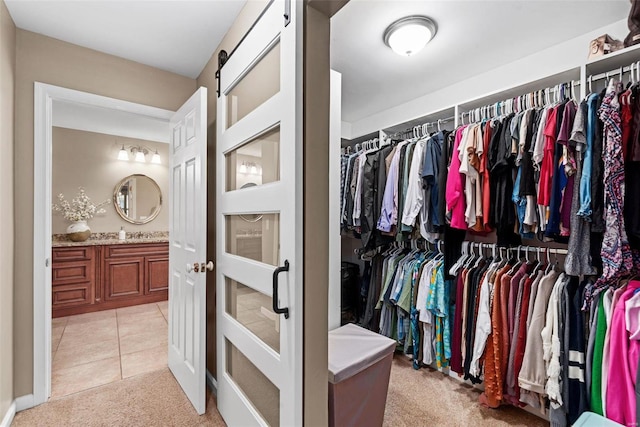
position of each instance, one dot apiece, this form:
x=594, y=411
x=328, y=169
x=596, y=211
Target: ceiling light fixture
x=408, y=35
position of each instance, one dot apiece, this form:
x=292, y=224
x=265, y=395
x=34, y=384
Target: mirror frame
x=259, y=216
x=116, y=191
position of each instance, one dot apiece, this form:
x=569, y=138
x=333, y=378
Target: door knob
x=193, y=267
x=208, y=266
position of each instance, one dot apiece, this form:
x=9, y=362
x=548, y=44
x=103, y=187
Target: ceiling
x=473, y=37
x=176, y=36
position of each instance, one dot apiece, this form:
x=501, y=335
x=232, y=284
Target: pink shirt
x=454, y=194
x=623, y=358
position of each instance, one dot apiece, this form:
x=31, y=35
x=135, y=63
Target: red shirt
x=546, y=170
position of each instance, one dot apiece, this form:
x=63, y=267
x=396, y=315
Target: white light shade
x=139, y=157
x=254, y=169
x=409, y=35
x=243, y=168
x=122, y=154
x=156, y=158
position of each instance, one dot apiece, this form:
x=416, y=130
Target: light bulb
x=156, y=158
x=409, y=39
x=139, y=157
x=122, y=154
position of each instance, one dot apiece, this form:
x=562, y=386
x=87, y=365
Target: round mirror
x=250, y=217
x=137, y=199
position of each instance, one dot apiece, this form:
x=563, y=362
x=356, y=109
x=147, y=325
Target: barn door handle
x=277, y=309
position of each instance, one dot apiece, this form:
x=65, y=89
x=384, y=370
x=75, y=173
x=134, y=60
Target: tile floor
x=93, y=349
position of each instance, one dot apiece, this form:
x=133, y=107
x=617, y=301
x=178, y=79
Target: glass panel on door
x=256, y=87
x=254, y=163
x=254, y=236
x=262, y=393
x=253, y=310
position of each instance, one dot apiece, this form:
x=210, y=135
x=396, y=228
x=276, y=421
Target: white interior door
x=259, y=224
x=188, y=247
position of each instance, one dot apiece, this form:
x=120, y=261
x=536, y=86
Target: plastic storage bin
x=359, y=369
x=589, y=419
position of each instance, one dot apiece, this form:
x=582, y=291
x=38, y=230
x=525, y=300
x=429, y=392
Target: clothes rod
x=618, y=72
x=411, y=129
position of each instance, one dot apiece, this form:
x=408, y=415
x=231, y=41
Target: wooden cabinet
x=73, y=277
x=93, y=278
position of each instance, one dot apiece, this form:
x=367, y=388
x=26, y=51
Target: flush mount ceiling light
x=408, y=35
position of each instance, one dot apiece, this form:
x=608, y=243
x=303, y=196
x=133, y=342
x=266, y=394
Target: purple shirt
x=389, y=213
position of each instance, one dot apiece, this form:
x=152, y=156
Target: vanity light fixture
x=139, y=154
x=410, y=34
x=250, y=168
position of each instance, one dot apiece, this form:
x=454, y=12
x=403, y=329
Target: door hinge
x=223, y=57
x=46, y=262
x=287, y=12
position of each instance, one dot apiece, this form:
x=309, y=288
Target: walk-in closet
x=488, y=207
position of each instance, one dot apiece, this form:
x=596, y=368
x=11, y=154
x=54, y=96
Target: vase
x=78, y=231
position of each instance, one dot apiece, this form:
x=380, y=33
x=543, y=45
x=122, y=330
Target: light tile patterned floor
x=94, y=349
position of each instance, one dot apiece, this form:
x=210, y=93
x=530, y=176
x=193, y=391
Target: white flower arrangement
x=81, y=208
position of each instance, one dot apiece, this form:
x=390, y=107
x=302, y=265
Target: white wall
x=564, y=56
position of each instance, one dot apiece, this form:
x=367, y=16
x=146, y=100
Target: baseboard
x=24, y=402
x=8, y=417
x=212, y=383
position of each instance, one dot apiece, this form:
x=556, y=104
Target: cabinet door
x=157, y=274
x=123, y=278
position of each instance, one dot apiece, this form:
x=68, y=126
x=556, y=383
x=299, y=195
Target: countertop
x=101, y=238
x=99, y=242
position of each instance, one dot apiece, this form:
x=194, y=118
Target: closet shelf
x=613, y=60
x=530, y=86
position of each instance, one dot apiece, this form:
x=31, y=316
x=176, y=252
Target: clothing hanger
x=538, y=264
x=549, y=265
x=456, y=265
x=621, y=72
x=517, y=263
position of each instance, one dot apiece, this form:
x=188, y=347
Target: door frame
x=44, y=97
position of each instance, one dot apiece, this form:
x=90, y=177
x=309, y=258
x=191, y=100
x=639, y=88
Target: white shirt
x=415, y=193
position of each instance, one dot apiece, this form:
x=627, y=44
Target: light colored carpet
x=426, y=397
x=153, y=399
x=416, y=398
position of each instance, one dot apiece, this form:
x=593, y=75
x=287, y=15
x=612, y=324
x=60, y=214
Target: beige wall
x=7, y=89
x=46, y=60
x=316, y=95
x=90, y=160
x=207, y=78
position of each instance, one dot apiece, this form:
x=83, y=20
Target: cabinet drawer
x=72, y=295
x=72, y=272
x=127, y=251
x=76, y=253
